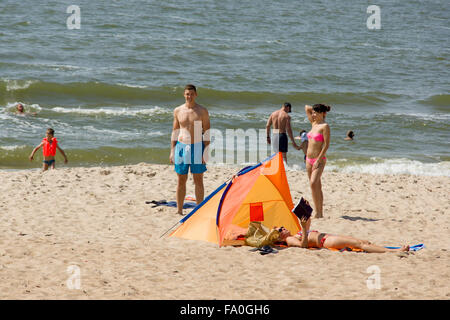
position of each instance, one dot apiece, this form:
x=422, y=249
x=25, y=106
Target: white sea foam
x=103, y=131
x=113, y=111
x=12, y=85
x=12, y=148
x=113, y=133
x=391, y=167
x=427, y=116
x=241, y=116
x=62, y=67
x=155, y=133
x=132, y=85
x=395, y=166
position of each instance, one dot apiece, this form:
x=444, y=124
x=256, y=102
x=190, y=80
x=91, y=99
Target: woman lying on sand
x=316, y=239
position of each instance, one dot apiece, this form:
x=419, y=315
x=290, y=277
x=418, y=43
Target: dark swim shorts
x=280, y=142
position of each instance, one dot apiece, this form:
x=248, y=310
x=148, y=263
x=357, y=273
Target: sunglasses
x=280, y=229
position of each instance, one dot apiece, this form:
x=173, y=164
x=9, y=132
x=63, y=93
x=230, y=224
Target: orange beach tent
x=256, y=193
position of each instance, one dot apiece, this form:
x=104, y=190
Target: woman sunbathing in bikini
x=317, y=239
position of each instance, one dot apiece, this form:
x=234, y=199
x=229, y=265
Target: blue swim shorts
x=189, y=155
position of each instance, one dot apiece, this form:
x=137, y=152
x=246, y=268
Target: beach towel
x=173, y=204
x=411, y=248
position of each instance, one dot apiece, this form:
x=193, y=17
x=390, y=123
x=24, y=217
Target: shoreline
x=377, y=169
x=96, y=218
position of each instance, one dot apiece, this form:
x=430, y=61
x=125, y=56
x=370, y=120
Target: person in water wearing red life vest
x=49, y=145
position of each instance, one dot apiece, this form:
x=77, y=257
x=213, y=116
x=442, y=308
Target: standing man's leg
x=199, y=188
x=284, y=157
x=182, y=170
x=198, y=167
x=284, y=147
x=181, y=191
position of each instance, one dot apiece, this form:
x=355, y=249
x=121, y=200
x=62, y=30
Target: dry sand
x=96, y=219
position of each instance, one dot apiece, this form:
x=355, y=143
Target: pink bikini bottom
x=313, y=160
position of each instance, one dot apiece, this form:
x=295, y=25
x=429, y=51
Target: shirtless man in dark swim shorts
x=281, y=122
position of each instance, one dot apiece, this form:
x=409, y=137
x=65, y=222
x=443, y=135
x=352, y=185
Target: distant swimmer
x=19, y=108
x=281, y=122
x=350, y=135
x=190, y=138
x=21, y=111
x=49, y=146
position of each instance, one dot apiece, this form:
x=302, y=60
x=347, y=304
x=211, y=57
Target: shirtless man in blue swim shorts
x=190, y=137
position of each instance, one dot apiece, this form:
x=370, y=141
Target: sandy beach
x=96, y=219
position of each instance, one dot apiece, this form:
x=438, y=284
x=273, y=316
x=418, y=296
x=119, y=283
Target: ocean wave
x=58, y=67
x=133, y=93
x=257, y=99
x=394, y=167
x=132, y=85
x=82, y=91
x=13, y=148
x=426, y=116
x=14, y=85
x=114, y=111
x=439, y=100
x=88, y=130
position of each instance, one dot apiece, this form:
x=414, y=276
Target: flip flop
x=267, y=249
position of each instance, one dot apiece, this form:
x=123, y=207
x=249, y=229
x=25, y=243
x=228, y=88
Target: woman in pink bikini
x=316, y=239
x=318, y=143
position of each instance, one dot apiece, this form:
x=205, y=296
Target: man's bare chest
x=188, y=117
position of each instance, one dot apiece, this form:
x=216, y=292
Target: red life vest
x=49, y=149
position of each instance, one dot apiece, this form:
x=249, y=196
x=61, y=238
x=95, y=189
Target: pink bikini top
x=315, y=136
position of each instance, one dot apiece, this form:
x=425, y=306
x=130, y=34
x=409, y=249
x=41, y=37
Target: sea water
x=109, y=88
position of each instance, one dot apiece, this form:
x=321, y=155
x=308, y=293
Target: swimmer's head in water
x=19, y=107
